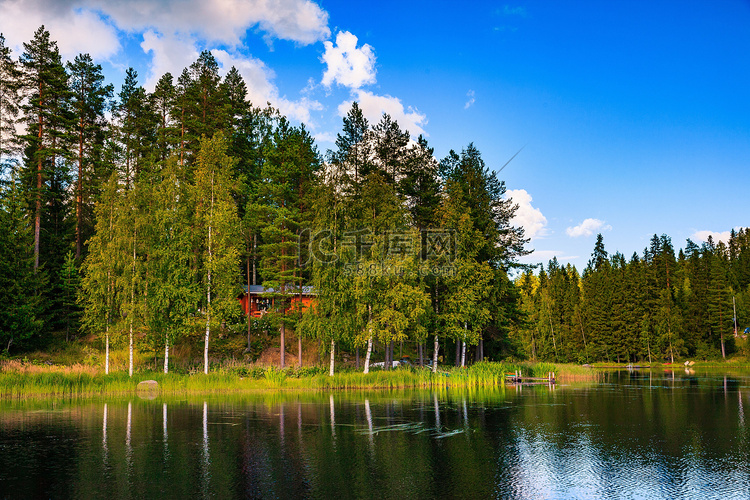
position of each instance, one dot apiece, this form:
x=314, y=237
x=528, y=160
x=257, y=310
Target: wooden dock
x=516, y=378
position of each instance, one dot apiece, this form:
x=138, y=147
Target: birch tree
x=217, y=221
x=99, y=294
x=172, y=291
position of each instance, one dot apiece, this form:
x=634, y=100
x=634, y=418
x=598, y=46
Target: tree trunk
x=463, y=350
x=458, y=353
x=208, y=288
x=38, y=207
x=333, y=353
x=132, y=309
x=282, y=361
x=247, y=262
x=130, y=349
x=106, y=349
x=299, y=350
x=368, y=354
x=386, y=361
x=369, y=339
x=79, y=195
x=356, y=355
x=435, y=354
x=166, y=354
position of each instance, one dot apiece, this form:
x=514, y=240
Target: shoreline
x=22, y=381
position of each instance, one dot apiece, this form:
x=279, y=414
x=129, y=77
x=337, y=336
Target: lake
x=638, y=434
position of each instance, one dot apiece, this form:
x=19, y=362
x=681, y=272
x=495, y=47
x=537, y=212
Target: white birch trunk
x=106, y=349
x=132, y=310
x=369, y=340
x=208, y=288
x=435, y=354
x=437, y=340
x=333, y=353
x=463, y=349
x=130, y=350
x=166, y=354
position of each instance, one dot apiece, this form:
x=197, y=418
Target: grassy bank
x=18, y=379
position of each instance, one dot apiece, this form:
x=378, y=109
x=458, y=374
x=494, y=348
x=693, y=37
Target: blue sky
x=634, y=116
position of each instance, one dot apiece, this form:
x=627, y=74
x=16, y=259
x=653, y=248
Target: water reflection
x=641, y=435
x=206, y=457
x=105, y=449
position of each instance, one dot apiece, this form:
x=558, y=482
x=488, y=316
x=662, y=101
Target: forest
x=136, y=220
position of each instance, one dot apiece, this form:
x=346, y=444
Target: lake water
x=637, y=435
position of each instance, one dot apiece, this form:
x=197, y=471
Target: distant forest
x=139, y=218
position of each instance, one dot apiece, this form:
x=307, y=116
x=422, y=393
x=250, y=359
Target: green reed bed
x=21, y=380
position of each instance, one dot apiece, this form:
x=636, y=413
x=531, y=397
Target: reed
x=19, y=379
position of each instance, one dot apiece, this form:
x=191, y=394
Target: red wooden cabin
x=259, y=301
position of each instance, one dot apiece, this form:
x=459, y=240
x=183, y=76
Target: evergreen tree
x=352, y=155
x=47, y=116
x=162, y=102
x=136, y=128
x=69, y=285
x=21, y=286
x=90, y=97
x=719, y=299
x=287, y=176
x=389, y=147
x=10, y=102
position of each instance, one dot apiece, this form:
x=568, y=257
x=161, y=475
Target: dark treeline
x=138, y=217
x=654, y=307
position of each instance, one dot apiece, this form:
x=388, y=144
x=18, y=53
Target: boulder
x=148, y=389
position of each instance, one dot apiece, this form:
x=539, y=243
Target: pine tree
x=291, y=162
x=21, y=286
x=352, y=155
x=70, y=283
x=162, y=102
x=47, y=115
x=389, y=148
x=10, y=102
x=420, y=184
x=136, y=128
x=90, y=97
x=719, y=299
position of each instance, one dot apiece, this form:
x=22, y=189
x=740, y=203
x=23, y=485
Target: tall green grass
x=20, y=380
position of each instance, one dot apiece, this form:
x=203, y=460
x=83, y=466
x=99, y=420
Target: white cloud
x=92, y=25
x=587, y=228
x=531, y=219
x=715, y=235
x=325, y=137
x=260, y=88
x=544, y=256
x=173, y=31
x=75, y=31
x=169, y=53
x=373, y=106
x=226, y=21
x=346, y=64
x=471, y=101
